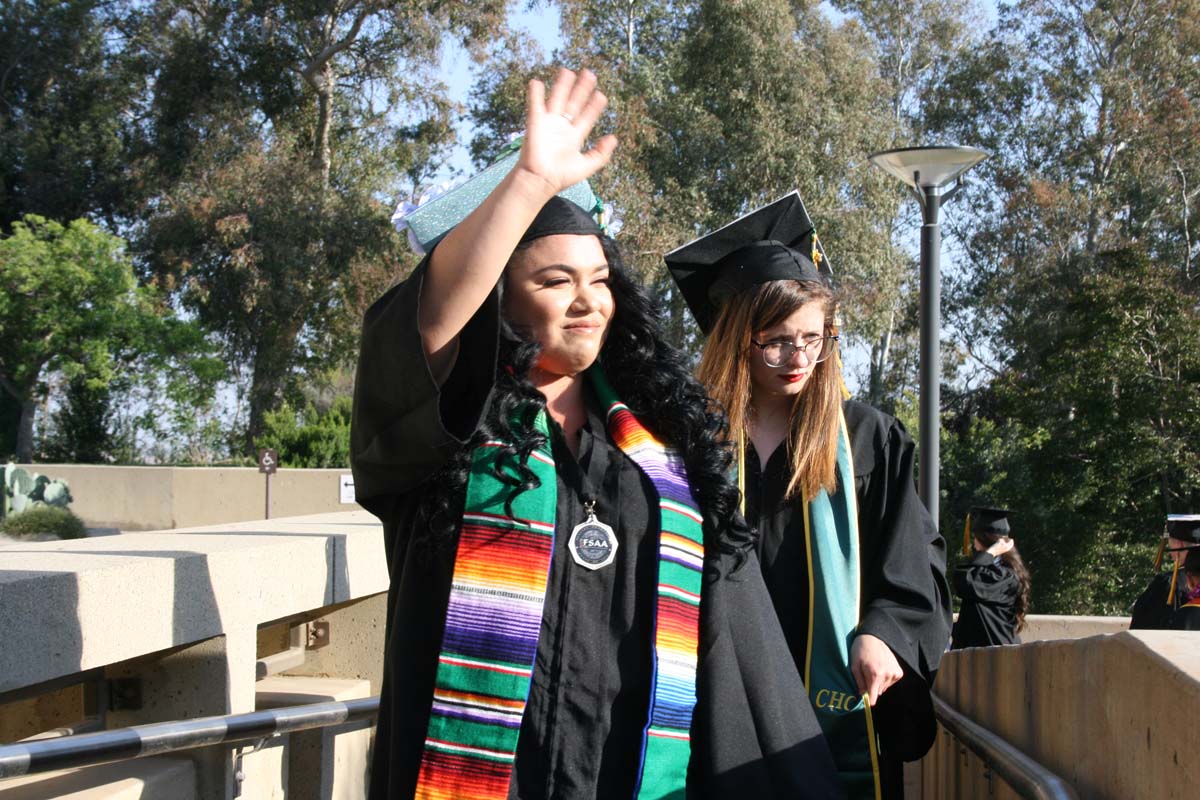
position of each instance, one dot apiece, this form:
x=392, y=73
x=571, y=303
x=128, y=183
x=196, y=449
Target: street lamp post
x=928, y=171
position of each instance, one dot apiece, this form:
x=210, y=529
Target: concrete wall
x=1115, y=716
x=180, y=612
x=162, y=498
x=1043, y=627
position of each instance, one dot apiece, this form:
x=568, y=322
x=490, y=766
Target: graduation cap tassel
x=1162, y=549
x=967, y=536
x=1174, y=580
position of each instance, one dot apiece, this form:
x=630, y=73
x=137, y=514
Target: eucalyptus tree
x=1082, y=277
x=275, y=134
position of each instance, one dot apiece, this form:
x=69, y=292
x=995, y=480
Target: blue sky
x=458, y=73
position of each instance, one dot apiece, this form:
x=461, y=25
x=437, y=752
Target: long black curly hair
x=651, y=377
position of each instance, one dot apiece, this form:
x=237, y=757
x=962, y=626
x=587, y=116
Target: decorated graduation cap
x=771, y=243
x=985, y=520
x=431, y=216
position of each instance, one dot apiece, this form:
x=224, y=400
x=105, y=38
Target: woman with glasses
x=575, y=608
x=854, y=565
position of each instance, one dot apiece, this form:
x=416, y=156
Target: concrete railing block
x=327, y=763
x=69, y=606
x=142, y=779
x=1113, y=715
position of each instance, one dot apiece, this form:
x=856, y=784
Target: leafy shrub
x=58, y=522
x=312, y=438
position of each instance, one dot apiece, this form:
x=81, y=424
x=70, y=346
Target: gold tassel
x=967, y=536
x=1174, y=578
x=1162, y=549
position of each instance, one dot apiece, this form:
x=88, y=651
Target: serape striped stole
x=496, y=597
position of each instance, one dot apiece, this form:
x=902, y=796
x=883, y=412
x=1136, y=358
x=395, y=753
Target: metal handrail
x=140, y=741
x=1027, y=777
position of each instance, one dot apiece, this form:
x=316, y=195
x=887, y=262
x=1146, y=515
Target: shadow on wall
x=52, y=599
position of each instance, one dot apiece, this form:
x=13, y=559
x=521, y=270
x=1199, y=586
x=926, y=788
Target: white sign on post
x=346, y=488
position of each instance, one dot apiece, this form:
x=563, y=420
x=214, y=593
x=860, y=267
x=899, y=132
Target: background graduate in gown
x=993, y=584
x=854, y=564
x=482, y=367
x=1166, y=592
x=1187, y=617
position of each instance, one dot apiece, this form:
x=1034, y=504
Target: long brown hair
x=1013, y=561
x=724, y=370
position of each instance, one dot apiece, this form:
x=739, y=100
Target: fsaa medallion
x=593, y=544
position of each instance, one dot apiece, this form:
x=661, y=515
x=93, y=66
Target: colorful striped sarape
x=501, y=568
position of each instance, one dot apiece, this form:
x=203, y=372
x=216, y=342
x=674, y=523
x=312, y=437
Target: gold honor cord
x=808, y=647
x=741, y=469
x=872, y=746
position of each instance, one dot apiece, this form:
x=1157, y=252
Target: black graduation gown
x=989, y=590
x=1152, y=611
x=905, y=598
x=581, y=732
x=1186, y=618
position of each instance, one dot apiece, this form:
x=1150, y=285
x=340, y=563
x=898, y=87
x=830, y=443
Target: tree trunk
x=322, y=158
x=25, y=431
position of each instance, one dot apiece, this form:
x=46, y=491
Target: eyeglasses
x=779, y=353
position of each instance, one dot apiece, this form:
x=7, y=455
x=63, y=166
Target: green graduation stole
x=831, y=543
x=831, y=540
x=495, y=611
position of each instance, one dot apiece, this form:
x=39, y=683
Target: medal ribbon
x=494, y=616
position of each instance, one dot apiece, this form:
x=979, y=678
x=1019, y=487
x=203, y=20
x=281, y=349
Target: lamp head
x=932, y=167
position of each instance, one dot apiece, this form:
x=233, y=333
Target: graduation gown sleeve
x=754, y=733
x=405, y=425
x=906, y=598
x=1155, y=606
x=989, y=595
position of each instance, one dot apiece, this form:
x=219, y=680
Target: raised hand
x=557, y=127
x=1001, y=546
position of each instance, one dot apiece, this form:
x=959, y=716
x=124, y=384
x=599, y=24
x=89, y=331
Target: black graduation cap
x=984, y=519
x=775, y=242
x=1185, y=527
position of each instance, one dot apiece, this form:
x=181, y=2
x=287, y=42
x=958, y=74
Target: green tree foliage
x=81, y=430
x=1079, y=409
x=1091, y=432
x=721, y=106
x=275, y=128
x=66, y=94
x=69, y=303
x=310, y=437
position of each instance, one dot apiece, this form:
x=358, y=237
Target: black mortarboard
x=775, y=242
x=561, y=216
x=982, y=519
x=1185, y=527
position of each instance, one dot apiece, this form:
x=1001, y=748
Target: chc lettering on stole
x=836, y=701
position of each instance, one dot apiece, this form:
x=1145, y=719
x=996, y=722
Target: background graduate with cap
x=1155, y=606
x=993, y=584
x=855, y=566
x=1187, y=616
